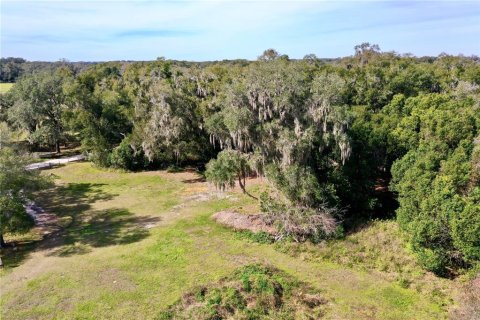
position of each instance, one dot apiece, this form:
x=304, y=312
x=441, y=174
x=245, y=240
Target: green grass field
x=4, y=87
x=134, y=243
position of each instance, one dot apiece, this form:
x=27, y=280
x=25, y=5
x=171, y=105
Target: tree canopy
x=16, y=186
x=330, y=136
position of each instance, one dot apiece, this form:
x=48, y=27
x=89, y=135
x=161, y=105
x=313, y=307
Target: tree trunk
x=3, y=244
x=57, y=146
x=242, y=186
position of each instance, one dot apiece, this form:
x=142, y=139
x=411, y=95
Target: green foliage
x=16, y=185
x=466, y=228
x=291, y=124
x=251, y=292
x=13, y=217
x=99, y=110
x=300, y=186
x=126, y=157
x=326, y=134
x=10, y=68
x=229, y=167
x=434, y=181
x=39, y=106
x=258, y=237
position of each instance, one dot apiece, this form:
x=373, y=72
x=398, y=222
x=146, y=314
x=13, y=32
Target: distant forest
x=12, y=68
x=372, y=135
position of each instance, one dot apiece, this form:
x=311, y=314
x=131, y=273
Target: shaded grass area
x=13, y=256
x=136, y=243
x=95, y=209
x=66, y=151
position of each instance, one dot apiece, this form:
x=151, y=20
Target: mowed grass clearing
x=133, y=243
x=4, y=87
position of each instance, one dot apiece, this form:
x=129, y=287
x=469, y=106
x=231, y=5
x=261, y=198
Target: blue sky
x=213, y=30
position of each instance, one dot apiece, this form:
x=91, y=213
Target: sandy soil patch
x=240, y=221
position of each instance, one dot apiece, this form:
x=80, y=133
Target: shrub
x=258, y=237
x=251, y=292
x=125, y=157
x=229, y=167
x=302, y=223
x=435, y=181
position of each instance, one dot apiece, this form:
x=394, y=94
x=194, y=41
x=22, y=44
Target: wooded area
x=329, y=136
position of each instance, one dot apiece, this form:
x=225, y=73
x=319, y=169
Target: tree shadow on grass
x=13, y=256
x=195, y=180
x=72, y=199
x=100, y=228
x=89, y=228
x=79, y=229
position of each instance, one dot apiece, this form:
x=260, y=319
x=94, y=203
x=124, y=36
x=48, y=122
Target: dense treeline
x=327, y=135
x=12, y=69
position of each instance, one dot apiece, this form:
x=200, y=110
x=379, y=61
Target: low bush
x=251, y=292
x=125, y=157
x=302, y=223
x=258, y=237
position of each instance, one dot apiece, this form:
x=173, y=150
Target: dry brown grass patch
x=251, y=222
